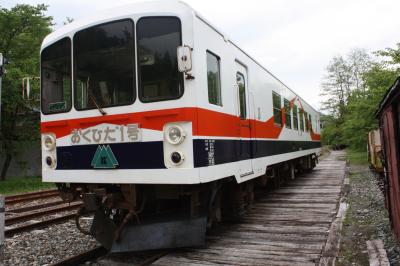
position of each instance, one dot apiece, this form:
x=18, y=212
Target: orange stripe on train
x=209, y=123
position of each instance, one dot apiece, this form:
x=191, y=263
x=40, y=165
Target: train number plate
x=106, y=133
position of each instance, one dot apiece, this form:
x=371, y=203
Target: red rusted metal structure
x=389, y=115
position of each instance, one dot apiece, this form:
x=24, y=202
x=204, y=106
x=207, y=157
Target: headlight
x=50, y=161
x=49, y=142
x=177, y=157
x=175, y=134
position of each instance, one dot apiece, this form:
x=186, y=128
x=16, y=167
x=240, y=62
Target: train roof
x=392, y=93
x=165, y=6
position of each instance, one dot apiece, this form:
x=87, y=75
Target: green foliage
x=360, y=117
x=22, y=28
x=357, y=157
x=331, y=134
x=20, y=185
x=350, y=122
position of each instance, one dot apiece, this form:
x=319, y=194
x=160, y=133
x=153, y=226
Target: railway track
x=65, y=207
x=289, y=226
x=18, y=219
x=82, y=257
x=31, y=196
x=37, y=225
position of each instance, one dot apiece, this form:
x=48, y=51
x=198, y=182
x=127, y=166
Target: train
x=388, y=117
x=163, y=127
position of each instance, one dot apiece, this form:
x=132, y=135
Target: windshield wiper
x=93, y=99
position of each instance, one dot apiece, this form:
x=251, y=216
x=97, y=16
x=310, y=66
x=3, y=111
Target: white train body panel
x=218, y=143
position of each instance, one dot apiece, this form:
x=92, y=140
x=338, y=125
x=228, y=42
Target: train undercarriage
x=135, y=217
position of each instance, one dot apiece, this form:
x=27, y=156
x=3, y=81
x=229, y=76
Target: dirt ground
x=366, y=219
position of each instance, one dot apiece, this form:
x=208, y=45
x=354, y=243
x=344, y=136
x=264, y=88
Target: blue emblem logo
x=104, y=158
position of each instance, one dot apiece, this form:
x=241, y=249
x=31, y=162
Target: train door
x=245, y=151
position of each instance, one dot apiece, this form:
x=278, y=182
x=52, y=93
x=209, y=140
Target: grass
x=15, y=185
x=357, y=157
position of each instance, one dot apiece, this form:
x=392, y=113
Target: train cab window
x=288, y=116
x=310, y=122
x=213, y=79
x=56, y=77
x=104, y=65
x=157, y=42
x=276, y=102
x=295, y=118
x=242, y=94
x=301, y=120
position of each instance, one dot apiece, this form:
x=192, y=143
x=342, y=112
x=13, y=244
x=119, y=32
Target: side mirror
x=184, y=54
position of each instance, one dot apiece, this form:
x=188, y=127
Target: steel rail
x=49, y=194
x=28, y=227
x=13, y=220
x=153, y=258
x=35, y=207
x=82, y=257
x=15, y=196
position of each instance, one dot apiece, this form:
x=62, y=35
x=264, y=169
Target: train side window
x=306, y=121
x=301, y=120
x=295, y=118
x=310, y=122
x=276, y=102
x=242, y=94
x=288, y=116
x=214, y=79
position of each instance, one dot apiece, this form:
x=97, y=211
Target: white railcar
x=149, y=106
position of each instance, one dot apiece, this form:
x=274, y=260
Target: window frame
x=139, y=80
x=71, y=78
x=219, y=78
x=306, y=122
x=295, y=117
x=135, y=96
x=301, y=113
x=274, y=108
x=245, y=97
x=286, y=105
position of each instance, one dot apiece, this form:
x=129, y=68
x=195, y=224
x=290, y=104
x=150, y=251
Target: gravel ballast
x=366, y=219
x=47, y=245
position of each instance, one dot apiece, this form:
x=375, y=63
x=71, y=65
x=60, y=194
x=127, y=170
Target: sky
x=293, y=39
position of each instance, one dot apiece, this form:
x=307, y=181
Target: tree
x=336, y=87
x=344, y=76
x=363, y=86
x=22, y=28
x=360, y=117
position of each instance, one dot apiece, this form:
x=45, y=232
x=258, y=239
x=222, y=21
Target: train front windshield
x=104, y=65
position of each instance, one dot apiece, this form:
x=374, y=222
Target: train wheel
x=233, y=203
x=215, y=212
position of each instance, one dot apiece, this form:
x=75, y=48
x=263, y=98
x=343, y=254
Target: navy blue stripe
x=225, y=151
x=134, y=155
x=150, y=155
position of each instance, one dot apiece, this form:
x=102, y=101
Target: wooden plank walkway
x=290, y=226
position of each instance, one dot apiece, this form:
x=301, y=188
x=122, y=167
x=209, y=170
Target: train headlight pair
x=175, y=134
x=49, y=146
